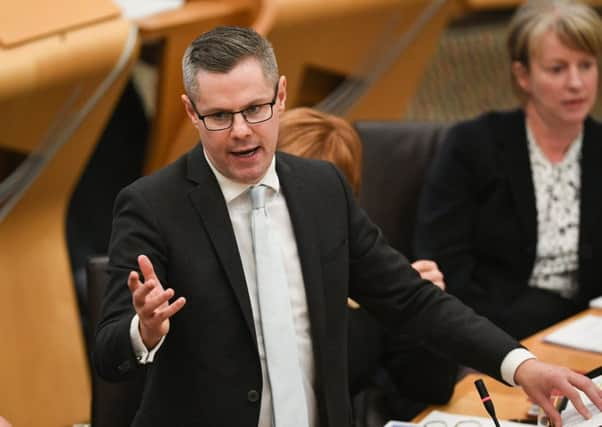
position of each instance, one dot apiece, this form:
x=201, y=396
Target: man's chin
x=250, y=176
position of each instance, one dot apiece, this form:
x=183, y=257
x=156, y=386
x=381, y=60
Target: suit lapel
x=512, y=138
x=301, y=209
x=209, y=202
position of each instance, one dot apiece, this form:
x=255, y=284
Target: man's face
x=244, y=151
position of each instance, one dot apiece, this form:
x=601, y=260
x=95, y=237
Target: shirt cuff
x=511, y=363
x=143, y=355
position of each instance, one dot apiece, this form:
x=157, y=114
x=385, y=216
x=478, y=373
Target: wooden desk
x=511, y=402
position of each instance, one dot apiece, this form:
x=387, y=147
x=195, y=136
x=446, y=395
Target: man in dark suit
x=187, y=229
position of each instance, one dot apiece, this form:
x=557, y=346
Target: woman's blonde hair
x=577, y=26
x=309, y=133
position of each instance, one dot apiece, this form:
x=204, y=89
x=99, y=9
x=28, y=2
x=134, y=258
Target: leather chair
x=113, y=404
x=396, y=156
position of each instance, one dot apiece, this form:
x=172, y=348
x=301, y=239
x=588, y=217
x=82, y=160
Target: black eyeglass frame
x=242, y=112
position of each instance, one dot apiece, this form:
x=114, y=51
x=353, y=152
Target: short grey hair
x=221, y=49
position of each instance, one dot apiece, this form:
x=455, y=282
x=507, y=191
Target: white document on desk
x=134, y=9
x=451, y=420
x=596, y=302
x=584, y=333
x=572, y=418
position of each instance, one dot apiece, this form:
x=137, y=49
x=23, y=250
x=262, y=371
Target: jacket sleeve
x=384, y=283
x=134, y=232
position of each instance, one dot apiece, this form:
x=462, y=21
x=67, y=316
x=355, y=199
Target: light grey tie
x=282, y=359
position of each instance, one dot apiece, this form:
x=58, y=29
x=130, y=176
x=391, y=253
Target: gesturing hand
x=538, y=379
x=151, y=303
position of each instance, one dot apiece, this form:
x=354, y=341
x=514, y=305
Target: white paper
x=452, y=419
x=584, y=333
x=596, y=302
x=572, y=418
x=133, y=9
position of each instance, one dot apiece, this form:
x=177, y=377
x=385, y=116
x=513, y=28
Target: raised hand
x=151, y=303
x=538, y=379
x=429, y=270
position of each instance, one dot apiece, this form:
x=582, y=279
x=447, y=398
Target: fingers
x=134, y=281
x=588, y=387
x=154, y=320
x=146, y=267
x=595, y=396
x=149, y=298
x=423, y=265
x=152, y=302
x=140, y=291
x=552, y=413
x=172, y=308
x=539, y=380
x=428, y=270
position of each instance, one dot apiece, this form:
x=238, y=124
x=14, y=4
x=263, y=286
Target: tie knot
x=258, y=196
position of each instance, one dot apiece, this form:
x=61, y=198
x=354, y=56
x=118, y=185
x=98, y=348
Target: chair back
x=113, y=404
x=396, y=156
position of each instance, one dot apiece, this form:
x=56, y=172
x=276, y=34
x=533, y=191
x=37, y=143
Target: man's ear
x=281, y=94
x=521, y=76
x=190, y=111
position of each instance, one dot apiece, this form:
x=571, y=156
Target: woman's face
x=561, y=83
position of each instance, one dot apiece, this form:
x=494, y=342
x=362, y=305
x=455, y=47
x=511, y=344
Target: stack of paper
x=572, y=418
x=584, y=333
x=596, y=302
x=451, y=420
x=134, y=9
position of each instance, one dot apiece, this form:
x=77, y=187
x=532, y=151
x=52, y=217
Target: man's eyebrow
x=217, y=110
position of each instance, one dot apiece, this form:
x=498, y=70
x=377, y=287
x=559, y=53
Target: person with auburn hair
x=511, y=208
x=310, y=133
x=313, y=134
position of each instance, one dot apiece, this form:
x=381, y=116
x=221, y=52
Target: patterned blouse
x=557, y=194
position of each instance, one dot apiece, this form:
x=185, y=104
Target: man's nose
x=240, y=127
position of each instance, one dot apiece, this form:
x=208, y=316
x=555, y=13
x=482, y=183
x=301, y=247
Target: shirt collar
x=232, y=189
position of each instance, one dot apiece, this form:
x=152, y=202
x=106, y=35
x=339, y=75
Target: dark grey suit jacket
x=478, y=220
x=208, y=371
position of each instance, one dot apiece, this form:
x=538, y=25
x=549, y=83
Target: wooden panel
x=44, y=368
x=36, y=79
x=348, y=37
x=25, y=20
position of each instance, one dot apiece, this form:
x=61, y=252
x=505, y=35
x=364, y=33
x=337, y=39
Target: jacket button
x=124, y=367
x=252, y=396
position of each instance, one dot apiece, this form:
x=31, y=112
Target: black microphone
x=486, y=399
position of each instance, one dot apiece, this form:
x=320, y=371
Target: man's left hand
x=539, y=379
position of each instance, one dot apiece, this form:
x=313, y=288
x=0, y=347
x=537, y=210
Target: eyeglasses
x=461, y=423
x=253, y=114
